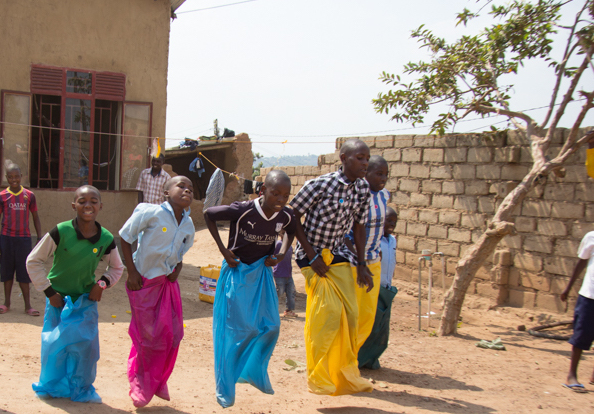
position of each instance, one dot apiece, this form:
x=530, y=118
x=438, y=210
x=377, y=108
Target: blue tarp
x=245, y=329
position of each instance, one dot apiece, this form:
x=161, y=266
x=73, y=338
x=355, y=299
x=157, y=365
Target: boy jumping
x=165, y=233
x=246, y=322
x=331, y=204
x=70, y=335
x=583, y=318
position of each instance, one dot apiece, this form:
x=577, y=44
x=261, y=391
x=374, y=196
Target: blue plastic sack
x=245, y=328
x=69, y=351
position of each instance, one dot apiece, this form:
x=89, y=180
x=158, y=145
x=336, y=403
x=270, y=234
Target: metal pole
x=430, y=264
x=420, y=261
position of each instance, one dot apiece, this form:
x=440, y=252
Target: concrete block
x=299, y=170
x=412, y=154
x=445, y=141
x=522, y=299
x=455, y=155
x=325, y=169
x=433, y=155
x=516, y=137
x=502, y=258
x=449, y=248
x=400, y=198
x=400, y=257
x=515, y=275
x=474, y=221
x=438, y=232
x=559, y=284
x=416, y=229
x=575, y=174
x=585, y=191
x=525, y=224
x=476, y=187
x=419, y=171
x=400, y=227
x=426, y=244
x=486, y=205
x=579, y=230
x=411, y=186
x=469, y=140
x=514, y=172
x=589, y=214
x=536, y=192
x=442, y=201
x=488, y=290
x=566, y=248
x=475, y=235
x=500, y=155
x=459, y=235
x=448, y=217
x=370, y=141
x=526, y=155
x=535, y=281
x=480, y=154
x=408, y=214
x=511, y=242
x=493, y=139
x=407, y=243
x=560, y=265
x=321, y=159
x=488, y=172
x=340, y=141
x=463, y=172
x=399, y=170
x=542, y=244
x=431, y=186
x=502, y=189
x=403, y=141
x=392, y=154
x=484, y=273
x=453, y=187
x=551, y=303
x=441, y=171
x=567, y=210
x=418, y=199
x=465, y=203
x=536, y=208
x=424, y=141
x=385, y=141
x=528, y=261
x=412, y=259
x=559, y=192
x=429, y=216
x=392, y=184
x=552, y=228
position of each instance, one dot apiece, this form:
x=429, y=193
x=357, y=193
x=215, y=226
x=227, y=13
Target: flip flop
x=32, y=312
x=579, y=388
x=3, y=309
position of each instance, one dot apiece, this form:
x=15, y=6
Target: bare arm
x=37, y=225
x=364, y=275
x=317, y=265
x=577, y=270
x=278, y=257
x=229, y=256
x=134, y=281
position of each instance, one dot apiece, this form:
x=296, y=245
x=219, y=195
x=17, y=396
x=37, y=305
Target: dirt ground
x=420, y=373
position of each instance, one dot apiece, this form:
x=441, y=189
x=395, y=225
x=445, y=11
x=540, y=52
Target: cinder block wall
x=446, y=190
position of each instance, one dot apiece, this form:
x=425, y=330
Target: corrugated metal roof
x=175, y=4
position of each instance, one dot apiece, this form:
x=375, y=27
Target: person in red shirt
x=16, y=203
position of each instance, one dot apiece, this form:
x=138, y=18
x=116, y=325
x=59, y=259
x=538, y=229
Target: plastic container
x=209, y=276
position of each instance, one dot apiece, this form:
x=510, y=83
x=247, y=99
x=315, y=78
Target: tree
x=256, y=168
x=468, y=77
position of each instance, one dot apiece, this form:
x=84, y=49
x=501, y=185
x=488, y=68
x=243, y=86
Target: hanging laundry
x=258, y=187
x=214, y=192
x=247, y=187
x=197, y=166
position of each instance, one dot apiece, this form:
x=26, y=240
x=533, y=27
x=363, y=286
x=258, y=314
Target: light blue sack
x=245, y=328
x=69, y=351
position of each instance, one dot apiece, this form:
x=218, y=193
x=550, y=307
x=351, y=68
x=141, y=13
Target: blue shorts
x=14, y=258
x=583, y=323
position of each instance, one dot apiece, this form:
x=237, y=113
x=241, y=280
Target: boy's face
x=14, y=178
x=276, y=196
x=180, y=192
x=377, y=177
x=87, y=204
x=390, y=224
x=355, y=162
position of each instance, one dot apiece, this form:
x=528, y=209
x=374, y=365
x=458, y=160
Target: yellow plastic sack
x=367, y=303
x=331, y=331
x=209, y=276
x=590, y=162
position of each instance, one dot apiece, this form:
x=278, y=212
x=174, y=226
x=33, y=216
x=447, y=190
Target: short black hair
x=352, y=145
x=87, y=187
x=171, y=180
x=275, y=177
x=390, y=211
x=12, y=167
x=160, y=157
x=376, y=161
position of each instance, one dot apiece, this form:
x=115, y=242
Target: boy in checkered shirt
x=331, y=204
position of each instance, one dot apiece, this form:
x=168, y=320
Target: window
x=77, y=118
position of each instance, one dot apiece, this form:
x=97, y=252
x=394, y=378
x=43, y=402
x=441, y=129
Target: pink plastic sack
x=156, y=330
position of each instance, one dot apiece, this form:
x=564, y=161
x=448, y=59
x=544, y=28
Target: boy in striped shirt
x=16, y=203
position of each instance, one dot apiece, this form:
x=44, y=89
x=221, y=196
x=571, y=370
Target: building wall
x=446, y=190
x=127, y=36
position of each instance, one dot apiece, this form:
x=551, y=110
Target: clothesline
x=214, y=165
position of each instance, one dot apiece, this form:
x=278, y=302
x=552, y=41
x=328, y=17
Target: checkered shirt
x=152, y=187
x=331, y=204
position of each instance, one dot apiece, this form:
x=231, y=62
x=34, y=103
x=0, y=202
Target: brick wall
x=446, y=190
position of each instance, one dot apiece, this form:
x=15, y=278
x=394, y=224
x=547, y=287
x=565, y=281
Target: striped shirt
x=15, y=208
x=331, y=204
x=152, y=187
x=374, y=228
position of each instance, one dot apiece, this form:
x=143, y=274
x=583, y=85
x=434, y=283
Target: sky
x=297, y=74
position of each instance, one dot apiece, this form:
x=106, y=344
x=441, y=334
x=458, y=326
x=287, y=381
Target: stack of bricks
x=446, y=190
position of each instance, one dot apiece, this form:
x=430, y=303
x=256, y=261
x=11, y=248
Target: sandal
x=32, y=312
x=4, y=309
x=290, y=314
